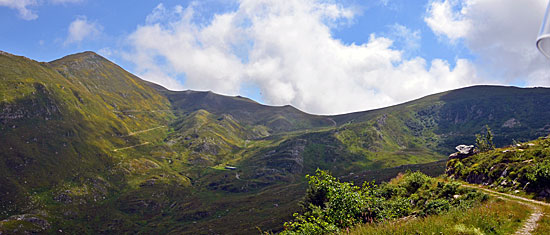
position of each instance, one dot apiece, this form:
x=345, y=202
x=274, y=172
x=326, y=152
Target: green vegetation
x=544, y=223
x=523, y=167
x=492, y=217
x=89, y=147
x=330, y=205
x=485, y=142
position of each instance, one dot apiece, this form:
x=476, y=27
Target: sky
x=321, y=56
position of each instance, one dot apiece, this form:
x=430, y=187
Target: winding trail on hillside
x=135, y=133
x=129, y=147
x=536, y=214
x=142, y=111
x=143, y=131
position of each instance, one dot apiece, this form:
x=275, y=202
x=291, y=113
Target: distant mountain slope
x=248, y=112
x=455, y=116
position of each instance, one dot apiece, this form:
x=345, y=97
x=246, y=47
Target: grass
x=517, y=169
x=544, y=223
x=495, y=216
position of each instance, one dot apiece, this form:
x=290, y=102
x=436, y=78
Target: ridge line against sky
x=322, y=56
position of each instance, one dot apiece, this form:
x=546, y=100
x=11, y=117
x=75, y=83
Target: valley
x=89, y=147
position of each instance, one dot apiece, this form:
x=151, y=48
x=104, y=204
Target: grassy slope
x=522, y=167
x=59, y=130
x=453, y=117
x=49, y=133
x=493, y=217
x=196, y=135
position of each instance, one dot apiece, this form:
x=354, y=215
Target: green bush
x=330, y=205
x=539, y=177
x=447, y=190
x=436, y=206
x=386, y=190
x=397, y=208
x=485, y=142
x=469, y=199
x=312, y=222
x=412, y=181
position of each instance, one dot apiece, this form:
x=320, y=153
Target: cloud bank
x=501, y=33
x=286, y=49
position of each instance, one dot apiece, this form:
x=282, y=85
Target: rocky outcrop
x=287, y=160
x=39, y=106
x=511, y=123
x=280, y=164
x=464, y=151
x=474, y=178
x=24, y=224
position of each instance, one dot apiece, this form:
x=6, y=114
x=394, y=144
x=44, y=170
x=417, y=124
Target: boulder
x=463, y=151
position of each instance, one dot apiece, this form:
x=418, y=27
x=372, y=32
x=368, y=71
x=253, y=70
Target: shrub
x=391, y=190
x=412, y=181
x=310, y=223
x=448, y=190
x=436, y=206
x=397, y=208
x=485, y=142
x=539, y=176
x=330, y=205
x=470, y=198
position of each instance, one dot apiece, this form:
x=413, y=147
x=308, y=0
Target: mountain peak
x=86, y=56
x=88, y=53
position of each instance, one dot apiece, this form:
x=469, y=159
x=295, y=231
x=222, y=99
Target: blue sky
x=43, y=38
x=339, y=56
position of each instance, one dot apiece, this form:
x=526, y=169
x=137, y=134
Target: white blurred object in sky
x=543, y=41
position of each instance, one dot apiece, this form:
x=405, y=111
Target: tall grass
x=544, y=222
x=495, y=216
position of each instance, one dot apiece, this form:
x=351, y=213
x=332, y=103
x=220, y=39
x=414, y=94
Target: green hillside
x=246, y=111
x=89, y=147
x=454, y=116
x=523, y=168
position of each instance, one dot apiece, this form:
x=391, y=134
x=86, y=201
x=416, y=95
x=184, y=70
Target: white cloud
x=22, y=7
x=501, y=33
x=443, y=20
x=409, y=38
x=81, y=29
x=286, y=49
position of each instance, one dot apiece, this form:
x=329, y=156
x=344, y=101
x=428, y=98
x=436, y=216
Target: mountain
x=87, y=146
x=248, y=112
x=513, y=113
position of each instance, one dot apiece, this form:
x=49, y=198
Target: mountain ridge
x=106, y=140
